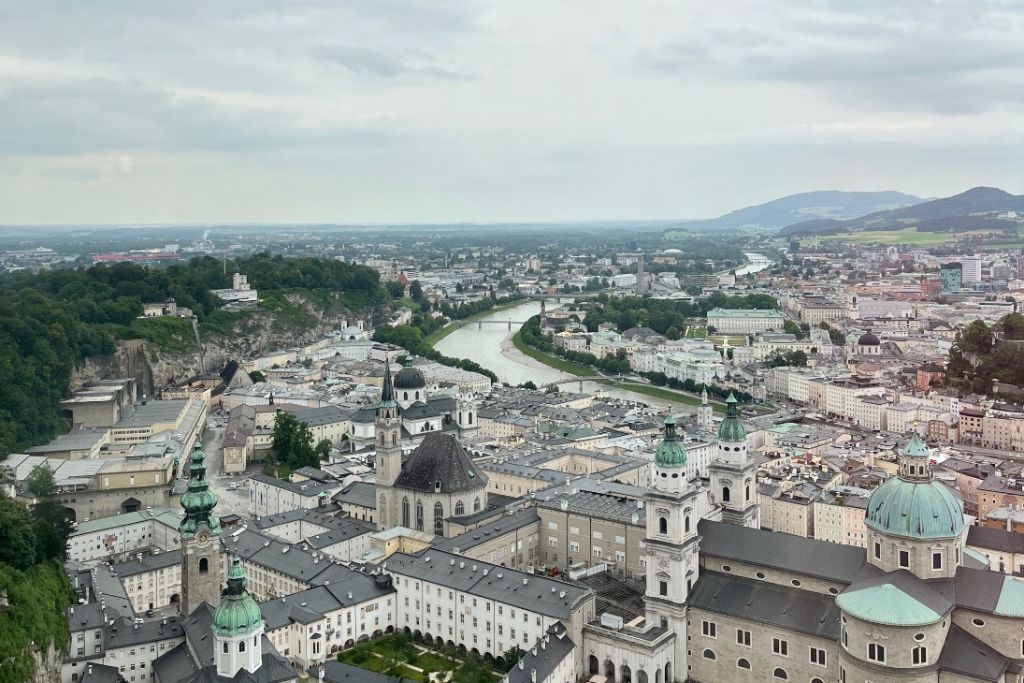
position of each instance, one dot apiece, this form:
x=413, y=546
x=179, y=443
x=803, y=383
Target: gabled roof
x=968, y=656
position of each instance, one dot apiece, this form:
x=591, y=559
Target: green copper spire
x=198, y=500
x=732, y=429
x=387, y=392
x=670, y=453
x=237, y=613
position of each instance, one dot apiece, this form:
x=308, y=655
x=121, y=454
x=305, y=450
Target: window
x=876, y=653
x=709, y=654
x=438, y=519
x=725, y=494
x=920, y=655
x=817, y=680
x=780, y=647
x=709, y=629
x=742, y=637
x=460, y=509
x=818, y=656
x=904, y=559
x=878, y=550
x=743, y=664
x=780, y=674
x=419, y=515
x=937, y=560
x=204, y=565
x=662, y=525
x=405, y=513
x=663, y=587
x=476, y=504
x=686, y=523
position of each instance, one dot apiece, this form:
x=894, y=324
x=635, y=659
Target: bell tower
x=388, y=458
x=733, y=471
x=671, y=541
x=704, y=419
x=237, y=627
x=200, y=539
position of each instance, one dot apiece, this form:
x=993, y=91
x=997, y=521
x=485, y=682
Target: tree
x=528, y=384
x=17, y=537
x=416, y=291
x=976, y=339
x=473, y=670
x=794, y=328
x=256, y=376
x=293, y=443
x=395, y=289
x=52, y=526
x=512, y=657
x=1012, y=326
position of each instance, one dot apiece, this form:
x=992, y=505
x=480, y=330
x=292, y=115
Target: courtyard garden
x=399, y=655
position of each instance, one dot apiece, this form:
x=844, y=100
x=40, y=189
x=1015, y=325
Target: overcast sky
x=116, y=111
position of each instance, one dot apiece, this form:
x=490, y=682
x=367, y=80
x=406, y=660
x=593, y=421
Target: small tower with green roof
x=200, y=538
x=673, y=508
x=705, y=421
x=388, y=450
x=734, y=472
x=237, y=627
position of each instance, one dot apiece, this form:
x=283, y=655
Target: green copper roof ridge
x=886, y=604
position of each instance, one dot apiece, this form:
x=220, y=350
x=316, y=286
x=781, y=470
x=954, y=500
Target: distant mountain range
x=832, y=205
x=976, y=209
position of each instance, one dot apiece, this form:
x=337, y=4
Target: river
x=490, y=345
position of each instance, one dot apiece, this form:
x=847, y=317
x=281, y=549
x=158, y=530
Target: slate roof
x=359, y=493
x=792, y=609
x=339, y=672
x=148, y=563
x=968, y=656
x=995, y=539
x=544, y=657
x=488, y=532
x=539, y=594
x=835, y=562
x=419, y=411
x=440, y=463
x=125, y=633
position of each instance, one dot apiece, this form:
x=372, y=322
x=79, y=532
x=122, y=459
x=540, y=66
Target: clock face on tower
x=663, y=563
x=203, y=535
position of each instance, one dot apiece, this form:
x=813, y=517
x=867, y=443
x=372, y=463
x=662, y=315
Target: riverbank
x=584, y=371
x=439, y=334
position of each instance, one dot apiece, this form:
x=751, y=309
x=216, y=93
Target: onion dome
x=237, y=614
x=868, y=339
x=669, y=452
x=198, y=500
x=731, y=429
x=913, y=504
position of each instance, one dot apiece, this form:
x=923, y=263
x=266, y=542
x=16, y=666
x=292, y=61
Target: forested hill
x=51, y=321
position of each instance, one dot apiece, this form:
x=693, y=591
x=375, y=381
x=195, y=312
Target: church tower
x=388, y=458
x=237, y=627
x=704, y=412
x=200, y=539
x=733, y=471
x=671, y=542
x=466, y=418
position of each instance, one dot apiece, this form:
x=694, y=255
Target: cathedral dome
x=912, y=504
x=868, y=339
x=237, y=613
x=410, y=378
x=669, y=452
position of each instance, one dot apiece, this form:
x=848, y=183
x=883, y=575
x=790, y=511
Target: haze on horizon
x=434, y=111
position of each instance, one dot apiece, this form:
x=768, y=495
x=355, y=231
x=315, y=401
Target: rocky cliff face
x=153, y=367
x=48, y=665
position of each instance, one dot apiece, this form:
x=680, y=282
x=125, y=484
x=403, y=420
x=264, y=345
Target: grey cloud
x=367, y=61
x=919, y=56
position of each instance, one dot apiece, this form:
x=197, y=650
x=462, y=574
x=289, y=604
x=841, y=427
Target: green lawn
x=551, y=361
x=696, y=332
x=662, y=393
x=904, y=236
x=374, y=655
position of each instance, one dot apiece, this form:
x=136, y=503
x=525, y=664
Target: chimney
x=533, y=675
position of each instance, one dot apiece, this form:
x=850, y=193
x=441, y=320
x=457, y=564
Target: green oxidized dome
x=670, y=453
x=914, y=505
x=237, y=613
x=732, y=429
x=198, y=500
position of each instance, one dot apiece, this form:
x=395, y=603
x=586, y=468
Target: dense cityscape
x=476, y=342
